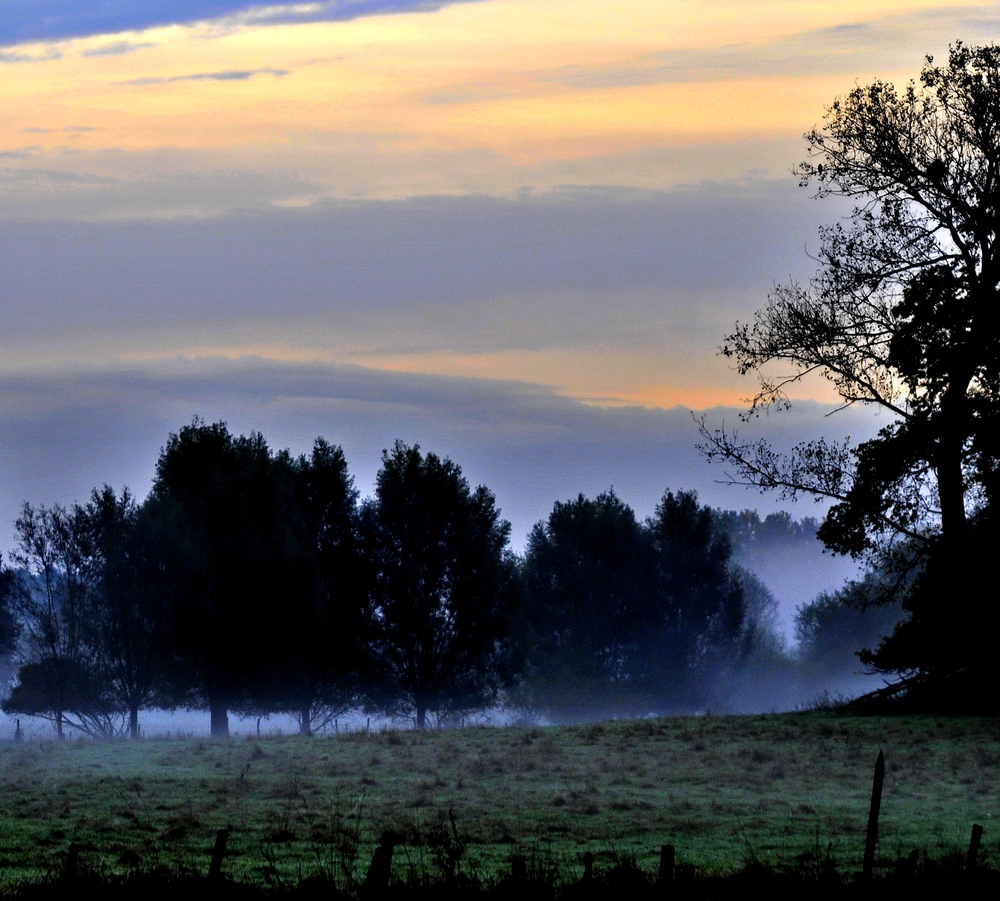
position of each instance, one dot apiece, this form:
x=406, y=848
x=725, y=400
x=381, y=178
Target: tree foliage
x=235, y=552
x=444, y=583
x=318, y=666
x=900, y=316
x=53, y=591
x=626, y=617
x=589, y=595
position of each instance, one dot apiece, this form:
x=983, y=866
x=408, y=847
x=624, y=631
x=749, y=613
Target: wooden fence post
x=872, y=835
x=977, y=835
x=380, y=869
x=218, y=852
x=72, y=861
x=665, y=877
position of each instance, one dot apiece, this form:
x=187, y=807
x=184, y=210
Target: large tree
x=234, y=561
x=900, y=315
x=443, y=587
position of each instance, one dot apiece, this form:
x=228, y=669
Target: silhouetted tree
x=126, y=620
x=589, y=597
x=702, y=599
x=900, y=316
x=627, y=617
x=52, y=592
x=443, y=587
x=236, y=567
x=320, y=658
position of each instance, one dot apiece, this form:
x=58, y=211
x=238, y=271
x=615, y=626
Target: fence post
x=977, y=835
x=380, y=869
x=665, y=877
x=218, y=852
x=72, y=861
x=872, y=835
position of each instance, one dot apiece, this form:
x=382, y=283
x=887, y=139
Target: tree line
x=256, y=581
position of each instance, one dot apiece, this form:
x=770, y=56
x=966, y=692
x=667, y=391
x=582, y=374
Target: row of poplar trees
x=256, y=581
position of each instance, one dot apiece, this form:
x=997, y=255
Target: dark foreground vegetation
x=778, y=802
x=621, y=880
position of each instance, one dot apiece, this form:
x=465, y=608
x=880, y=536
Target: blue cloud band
x=22, y=21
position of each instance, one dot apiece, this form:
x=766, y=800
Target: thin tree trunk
x=305, y=720
x=133, y=722
x=421, y=716
x=220, y=718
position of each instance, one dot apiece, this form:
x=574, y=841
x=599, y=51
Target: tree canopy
x=444, y=584
x=236, y=565
x=626, y=617
x=899, y=315
x=589, y=595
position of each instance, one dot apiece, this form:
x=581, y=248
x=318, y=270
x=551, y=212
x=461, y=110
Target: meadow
x=783, y=790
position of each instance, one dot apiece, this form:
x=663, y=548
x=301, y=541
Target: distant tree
x=126, y=620
x=760, y=609
x=830, y=630
x=703, y=633
x=319, y=660
x=589, y=597
x=52, y=593
x=751, y=534
x=443, y=588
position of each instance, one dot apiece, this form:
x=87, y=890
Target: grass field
x=724, y=790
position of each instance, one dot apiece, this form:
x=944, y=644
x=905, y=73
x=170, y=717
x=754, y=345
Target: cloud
x=69, y=129
x=466, y=274
x=118, y=48
x=893, y=42
x=14, y=56
x=227, y=75
x=25, y=21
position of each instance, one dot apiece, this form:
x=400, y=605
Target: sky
x=512, y=231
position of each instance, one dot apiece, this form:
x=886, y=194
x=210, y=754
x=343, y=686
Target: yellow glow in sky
x=523, y=78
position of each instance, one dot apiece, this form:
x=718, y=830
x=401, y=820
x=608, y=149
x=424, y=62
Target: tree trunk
x=951, y=488
x=59, y=724
x=220, y=718
x=953, y=418
x=305, y=720
x=133, y=722
x=421, y=716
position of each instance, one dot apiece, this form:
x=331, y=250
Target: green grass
x=724, y=790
